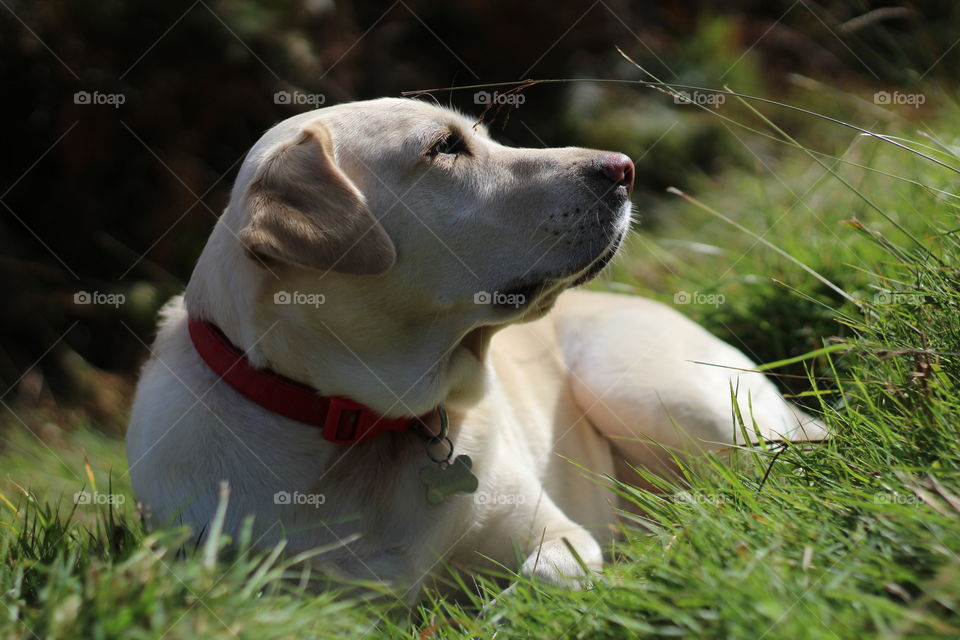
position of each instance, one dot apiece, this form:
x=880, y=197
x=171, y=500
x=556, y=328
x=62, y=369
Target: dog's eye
x=450, y=144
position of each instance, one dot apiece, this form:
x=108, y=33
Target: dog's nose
x=618, y=168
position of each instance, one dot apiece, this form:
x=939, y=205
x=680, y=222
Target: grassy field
x=841, y=270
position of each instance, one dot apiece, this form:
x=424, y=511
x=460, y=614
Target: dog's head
x=390, y=220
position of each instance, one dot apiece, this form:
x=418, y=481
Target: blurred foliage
x=119, y=200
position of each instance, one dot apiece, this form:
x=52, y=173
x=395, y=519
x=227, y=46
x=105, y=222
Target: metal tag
x=445, y=479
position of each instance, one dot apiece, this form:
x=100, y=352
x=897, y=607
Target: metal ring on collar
x=434, y=441
x=421, y=428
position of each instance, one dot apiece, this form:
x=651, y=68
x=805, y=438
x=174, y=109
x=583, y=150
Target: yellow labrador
x=349, y=354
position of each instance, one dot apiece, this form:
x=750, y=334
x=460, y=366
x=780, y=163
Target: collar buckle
x=346, y=421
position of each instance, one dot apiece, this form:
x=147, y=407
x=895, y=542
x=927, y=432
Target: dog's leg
x=654, y=381
x=556, y=549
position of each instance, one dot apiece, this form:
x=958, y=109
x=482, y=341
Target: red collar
x=343, y=421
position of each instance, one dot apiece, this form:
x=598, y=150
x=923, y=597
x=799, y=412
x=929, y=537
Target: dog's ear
x=302, y=209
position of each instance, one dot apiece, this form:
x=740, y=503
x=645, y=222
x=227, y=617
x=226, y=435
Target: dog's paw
x=555, y=563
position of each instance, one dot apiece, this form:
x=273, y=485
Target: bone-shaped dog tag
x=445, y=479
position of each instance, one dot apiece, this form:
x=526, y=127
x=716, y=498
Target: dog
x=381, y=353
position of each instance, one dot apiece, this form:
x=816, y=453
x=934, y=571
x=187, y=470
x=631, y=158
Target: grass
x=855, y=537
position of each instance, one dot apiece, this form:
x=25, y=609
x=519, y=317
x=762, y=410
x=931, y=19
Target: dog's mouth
x=521, y=293
x=598, y=265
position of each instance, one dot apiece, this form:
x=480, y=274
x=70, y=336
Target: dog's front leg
x=563, y=555
x=556, y=549
x=558, y=559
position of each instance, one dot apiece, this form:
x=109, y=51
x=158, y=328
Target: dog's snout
x=617, y=168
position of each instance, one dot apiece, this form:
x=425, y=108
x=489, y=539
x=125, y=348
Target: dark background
x=121, y=199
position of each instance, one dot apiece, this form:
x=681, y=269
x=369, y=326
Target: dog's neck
x=428, y=370
x=394, y=371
